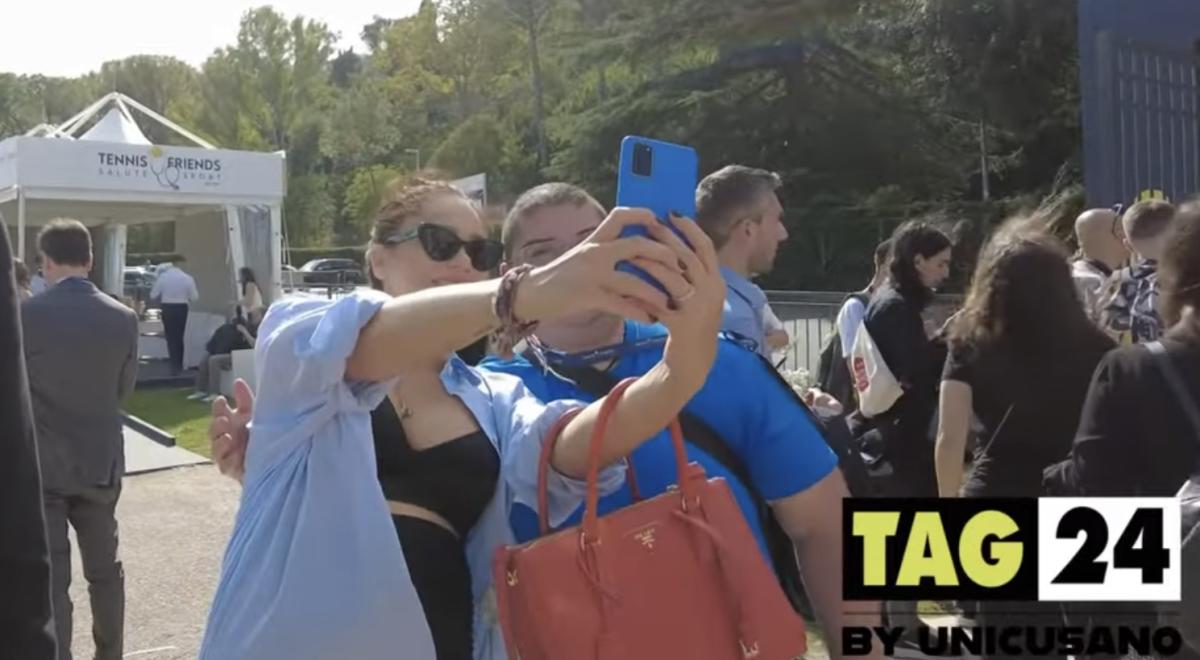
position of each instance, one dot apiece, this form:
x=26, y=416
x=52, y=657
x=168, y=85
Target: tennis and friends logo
x=168, y=171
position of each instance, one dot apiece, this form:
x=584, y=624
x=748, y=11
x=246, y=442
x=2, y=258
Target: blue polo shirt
x=748, y=407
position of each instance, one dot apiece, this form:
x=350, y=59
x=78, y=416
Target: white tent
x=225, y=204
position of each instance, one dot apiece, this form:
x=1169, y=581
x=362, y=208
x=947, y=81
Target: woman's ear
x=374, y=264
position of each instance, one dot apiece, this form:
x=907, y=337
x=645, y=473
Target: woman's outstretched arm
x=424, y=327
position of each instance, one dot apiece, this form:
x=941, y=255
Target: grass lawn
x=169, y=410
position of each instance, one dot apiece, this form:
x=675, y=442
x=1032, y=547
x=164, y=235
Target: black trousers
x=174, y=318
x=26, y=625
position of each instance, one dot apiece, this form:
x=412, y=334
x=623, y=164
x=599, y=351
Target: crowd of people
x=397, y=431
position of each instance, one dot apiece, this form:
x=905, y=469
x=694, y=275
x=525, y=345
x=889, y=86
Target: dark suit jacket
x=26, y=625
x=81, y=353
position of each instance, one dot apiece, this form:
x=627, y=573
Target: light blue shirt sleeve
x=848, y=321
x=314, y=568
x=300, y=359
x=527, y=421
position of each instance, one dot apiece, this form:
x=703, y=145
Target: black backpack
x=226, y=339
x=832, y=374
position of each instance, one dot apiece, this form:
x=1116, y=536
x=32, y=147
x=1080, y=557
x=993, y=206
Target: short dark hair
x=66, y=242
x=883, y=252
x=1148, y=219
x=545, y=196
x=1179, y=268
x=912, y=239
x=725, y=194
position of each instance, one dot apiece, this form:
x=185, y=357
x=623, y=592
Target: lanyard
x=603, y=354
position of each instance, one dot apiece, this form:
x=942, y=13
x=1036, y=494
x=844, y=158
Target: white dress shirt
x=174, y=287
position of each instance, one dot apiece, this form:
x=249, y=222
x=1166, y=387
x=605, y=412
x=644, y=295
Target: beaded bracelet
x=512, y=330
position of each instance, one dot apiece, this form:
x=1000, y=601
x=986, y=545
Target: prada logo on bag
x=646, y=537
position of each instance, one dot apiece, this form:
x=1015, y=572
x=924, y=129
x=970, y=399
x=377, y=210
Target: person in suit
x=81, y=353
x=26, y=621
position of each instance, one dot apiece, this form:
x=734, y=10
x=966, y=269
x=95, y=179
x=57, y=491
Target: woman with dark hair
x=1021, y=355
x=920, y=262
x=249, y=295
x=21, y=273
x=382, y=470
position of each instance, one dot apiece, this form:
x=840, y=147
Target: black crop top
x=455, y=479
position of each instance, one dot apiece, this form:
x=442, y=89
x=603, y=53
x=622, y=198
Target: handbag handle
x=591, y=518
x=544, y=470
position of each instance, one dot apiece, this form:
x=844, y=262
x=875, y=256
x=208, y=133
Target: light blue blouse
x=314, y=568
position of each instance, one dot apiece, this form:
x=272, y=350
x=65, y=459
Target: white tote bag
x=878, y=390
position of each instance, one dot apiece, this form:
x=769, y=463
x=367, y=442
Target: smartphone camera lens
x=643, y=159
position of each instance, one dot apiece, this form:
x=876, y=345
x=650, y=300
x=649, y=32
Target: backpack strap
x=695, y=430
x=1177, y=385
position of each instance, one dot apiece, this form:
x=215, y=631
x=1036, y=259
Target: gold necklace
x=402, y=409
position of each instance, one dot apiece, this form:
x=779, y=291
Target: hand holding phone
x=659, y=176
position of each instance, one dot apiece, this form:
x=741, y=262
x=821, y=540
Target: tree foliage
x=873, y=111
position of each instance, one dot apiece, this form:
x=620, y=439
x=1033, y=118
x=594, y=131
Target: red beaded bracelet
x=512, y=330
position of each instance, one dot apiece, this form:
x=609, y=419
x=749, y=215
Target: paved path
x=174, y=526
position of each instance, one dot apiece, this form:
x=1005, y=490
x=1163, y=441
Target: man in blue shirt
x=743, y=402
x=761, y=422
x=739, y=209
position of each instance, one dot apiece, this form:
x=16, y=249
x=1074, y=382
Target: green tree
x=166, y=85
x=530, y=16
x=363, y=197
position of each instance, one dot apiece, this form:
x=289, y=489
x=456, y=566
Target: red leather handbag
x=678, y=575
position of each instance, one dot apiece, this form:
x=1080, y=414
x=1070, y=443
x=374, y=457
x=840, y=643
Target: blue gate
x=1140, y=86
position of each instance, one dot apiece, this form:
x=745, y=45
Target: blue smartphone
x=659, y=176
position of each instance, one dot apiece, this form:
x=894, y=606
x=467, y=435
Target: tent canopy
x=225, y=204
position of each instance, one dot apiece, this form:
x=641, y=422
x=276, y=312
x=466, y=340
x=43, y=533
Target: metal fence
x=809, y=318
x=1139, y=67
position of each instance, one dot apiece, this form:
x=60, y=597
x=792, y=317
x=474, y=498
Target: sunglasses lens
x=440, y=243
x=485, y=254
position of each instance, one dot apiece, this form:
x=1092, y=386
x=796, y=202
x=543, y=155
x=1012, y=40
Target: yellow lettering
x=1007, y=554
x=875, y=527
x=927, y=532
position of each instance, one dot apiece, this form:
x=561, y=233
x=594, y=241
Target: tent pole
x=71, y=125
x=20, y=224
x=164, y=121
x=276, y=253
x=233, y=241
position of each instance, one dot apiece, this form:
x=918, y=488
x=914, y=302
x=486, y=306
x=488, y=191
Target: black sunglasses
x=440, y=243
